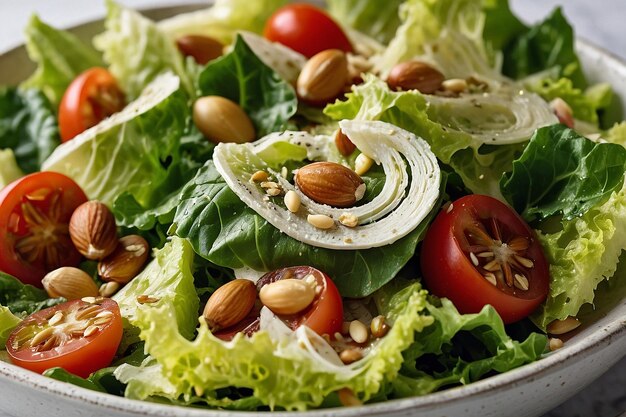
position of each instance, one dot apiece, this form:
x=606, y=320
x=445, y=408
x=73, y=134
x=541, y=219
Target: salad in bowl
x=276, y=206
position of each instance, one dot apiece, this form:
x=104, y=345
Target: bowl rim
x=598, y=338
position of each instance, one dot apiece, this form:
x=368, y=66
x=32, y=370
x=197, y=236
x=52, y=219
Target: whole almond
x=330, y=183
x=70, y=283
x=222, y=120
x=230, y=304
x=93, y=230
x=287, y=296
x=126, y=261
x=323, y=77
x=415, y=75
x=343, y=143
x=201, y=48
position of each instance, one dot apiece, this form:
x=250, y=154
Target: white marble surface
x=600, y=21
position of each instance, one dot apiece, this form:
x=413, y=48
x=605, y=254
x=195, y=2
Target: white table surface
x=601, y=21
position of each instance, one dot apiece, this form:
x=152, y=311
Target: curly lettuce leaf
x=60, y=56
x=198, y=369
x=7, y=323
x=616, y=134
x=561, y=172
x=137, y=51
x=549, y=45
x=28, y=126
x=460, y=349
x=169, y=278
x=223, y=19
x=137, y=150
x=378, y=19
x=581, y=255
x=243, y=78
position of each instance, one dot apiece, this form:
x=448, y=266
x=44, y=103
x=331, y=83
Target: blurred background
x=599, y=21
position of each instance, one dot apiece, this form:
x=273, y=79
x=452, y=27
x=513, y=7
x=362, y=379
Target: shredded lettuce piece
x=7, y=323
x=60, y=57
x=125, y=152
x=222, y=20
x=378, y=19
x=581, y=255
x=168, y=278
x=272, y=368
x=137, y=51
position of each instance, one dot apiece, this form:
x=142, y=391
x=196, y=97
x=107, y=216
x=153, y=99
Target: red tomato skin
x=10, y=197
x=306, y=29
x=77, y=111
x=449, y=273
x=80, y=357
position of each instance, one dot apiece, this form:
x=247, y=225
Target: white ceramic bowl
x=530, y=390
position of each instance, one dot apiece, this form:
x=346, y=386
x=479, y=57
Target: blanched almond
x=222, y=120
x=287, y=296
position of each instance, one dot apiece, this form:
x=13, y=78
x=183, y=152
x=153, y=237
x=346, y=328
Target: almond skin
x=93, y=230
x=323, y=77
x=222, y=120
x=329, y=183
x=415, y=75
x=230, y=304
x=126, y=261
x=201, y=48
x=344, y=144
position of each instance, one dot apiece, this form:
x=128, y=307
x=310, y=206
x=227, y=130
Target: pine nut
x=259, y=176
x=454, y=85
x=555, y=343
x=321, y=221
x=362, y=164
x=358, y=332
x=378, y=327
x=349, y=356
x=349, y=220
x=292, y=201
x=563, y=326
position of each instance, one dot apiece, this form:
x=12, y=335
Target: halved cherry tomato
x=92, y=97
x=478, y=251
x=306, y=29
x=323, y=316
x=77, y=336
x=34, y=215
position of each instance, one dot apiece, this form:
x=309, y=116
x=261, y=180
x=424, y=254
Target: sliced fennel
x=411, y=186
x=503, y=116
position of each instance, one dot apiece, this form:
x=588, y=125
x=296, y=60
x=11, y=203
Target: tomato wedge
x=78, y=336
x=478, y=251
x=34, y=216
x=324, y=315
x=306, y=29
x=92, y=97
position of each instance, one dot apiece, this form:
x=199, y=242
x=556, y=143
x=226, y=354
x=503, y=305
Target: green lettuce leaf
x=243, y=78
x=223, y=19
x=137, y=51
x=169, y=278
x=460, y=349
x=60, y=56
x=7, y=323
x=9, y=171
x=616, y=134
x=225, y=231
x=561, y=172
x=581, y=255
x=501, y=25
x=378, y=19
x=23, y=299
x=137, y=151
x=271, y=369
x=28, y=126
x=549, y=45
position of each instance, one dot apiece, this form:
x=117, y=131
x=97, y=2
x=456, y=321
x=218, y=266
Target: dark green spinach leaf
x=23, y=299
x=563, y=172
x=28, y=126
x=243, y=78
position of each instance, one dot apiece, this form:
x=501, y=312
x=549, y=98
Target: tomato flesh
x=92, y=97
x=306, y=29
x=35, y=211
x=80, y=342
x=324, y=315
x=478, y=251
